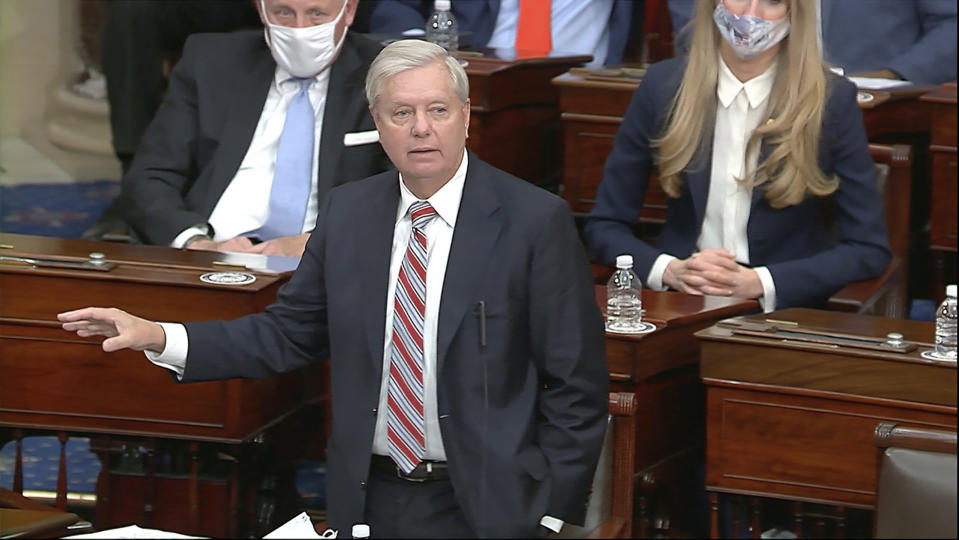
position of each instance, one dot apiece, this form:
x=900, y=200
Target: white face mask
x=303, y=52
x=747, y=35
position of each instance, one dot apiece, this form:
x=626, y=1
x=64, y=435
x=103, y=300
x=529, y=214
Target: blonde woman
x=762, y=151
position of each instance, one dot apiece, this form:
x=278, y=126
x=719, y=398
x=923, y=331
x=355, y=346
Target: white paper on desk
x=132, y=531
x=298, y=527
x=873, y=83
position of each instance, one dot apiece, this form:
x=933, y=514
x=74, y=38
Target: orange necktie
x=532, y=30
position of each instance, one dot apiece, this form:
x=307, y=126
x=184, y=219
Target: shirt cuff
x=768, y=300
x=654, y=280
x=551, y=523
x=173, y=355
x=195, y=230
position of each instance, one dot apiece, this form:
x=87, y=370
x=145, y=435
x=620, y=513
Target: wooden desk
x=662, y=369
x=794, y=420
x=514, y=112
x=592, y=109
x=942, y=219
x=55, y=381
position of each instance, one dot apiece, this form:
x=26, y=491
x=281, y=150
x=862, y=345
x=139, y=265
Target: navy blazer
x=479, y=17
x=914, y=38
x=200, y=135
x=812, y=249
x=522, y=419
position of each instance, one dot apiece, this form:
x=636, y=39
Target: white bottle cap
x=441, y=5
x=624, y=261
x=361, y=530
x=951, y=290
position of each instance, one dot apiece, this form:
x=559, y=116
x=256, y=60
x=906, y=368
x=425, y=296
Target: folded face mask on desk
x=304, y=52
x=749, y=36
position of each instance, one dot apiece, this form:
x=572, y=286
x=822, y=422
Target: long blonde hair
x=793, y=120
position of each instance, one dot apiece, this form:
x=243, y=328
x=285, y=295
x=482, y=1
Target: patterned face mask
x=749, y=36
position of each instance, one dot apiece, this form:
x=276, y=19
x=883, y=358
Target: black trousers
x=397, y=508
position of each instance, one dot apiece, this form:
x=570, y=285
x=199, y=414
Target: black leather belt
x=426, y=471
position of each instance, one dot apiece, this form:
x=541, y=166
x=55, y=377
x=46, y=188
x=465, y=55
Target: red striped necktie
x=405, y=420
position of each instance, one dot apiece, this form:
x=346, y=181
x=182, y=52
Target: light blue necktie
x=290, y=193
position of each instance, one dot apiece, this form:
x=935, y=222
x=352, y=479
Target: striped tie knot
x=421, y=213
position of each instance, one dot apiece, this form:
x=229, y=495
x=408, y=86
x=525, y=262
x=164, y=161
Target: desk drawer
x=798, y=447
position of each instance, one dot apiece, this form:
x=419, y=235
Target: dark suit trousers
x=397, y=508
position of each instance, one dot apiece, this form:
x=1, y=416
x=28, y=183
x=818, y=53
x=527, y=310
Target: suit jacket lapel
x=374, y=247
x=343, y=97
x=245, y=111
x=477, y=229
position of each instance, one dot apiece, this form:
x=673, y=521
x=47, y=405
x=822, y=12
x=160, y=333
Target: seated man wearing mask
x=253, y=133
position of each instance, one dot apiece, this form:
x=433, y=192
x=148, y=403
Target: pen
x=481, y=313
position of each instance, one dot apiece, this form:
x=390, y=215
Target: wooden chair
x=916, y=495
x=886, y=295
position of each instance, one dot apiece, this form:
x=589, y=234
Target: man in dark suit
x=456, y=304
x=573, y=21
x=204, y=173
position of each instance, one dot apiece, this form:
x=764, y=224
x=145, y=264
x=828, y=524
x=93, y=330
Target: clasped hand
x=713, y=272
x=289, y=246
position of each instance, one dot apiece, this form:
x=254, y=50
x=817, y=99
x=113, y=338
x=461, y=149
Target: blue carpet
x=41, y=464
x=60, y=210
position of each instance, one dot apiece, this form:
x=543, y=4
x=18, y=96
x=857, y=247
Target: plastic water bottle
x=946, y=325
x=624, y=298
x=441, y=28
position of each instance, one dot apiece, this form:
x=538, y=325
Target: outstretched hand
x=123, y=331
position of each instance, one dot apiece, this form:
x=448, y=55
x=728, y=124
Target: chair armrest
x=886, y=291
x=12, y=499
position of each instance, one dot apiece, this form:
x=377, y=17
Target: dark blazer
x=522, y=420
x=479, y=17
x=914, y=38
x=200, y=135
x=812, y=249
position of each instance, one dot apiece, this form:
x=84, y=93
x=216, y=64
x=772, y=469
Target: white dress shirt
x=740, y=108
x=245, y=204
x=576, y=26
x=439, y=237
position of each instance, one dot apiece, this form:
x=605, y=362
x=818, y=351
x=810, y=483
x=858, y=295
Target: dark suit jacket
x=200, y=135
x=479, y=17
x=522, y=420
x=914, y=38
x=811, y=249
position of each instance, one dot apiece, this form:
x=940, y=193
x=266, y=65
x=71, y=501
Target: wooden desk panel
x=795, y=420
x=514, y=112
x=661, y=368
x=943, y=216
x=85, y=389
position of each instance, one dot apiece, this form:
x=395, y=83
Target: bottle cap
x=624, y=261
x=951, y=290
x=441, y=5
x=361, y=530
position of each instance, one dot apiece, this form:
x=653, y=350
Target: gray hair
x=406, y=54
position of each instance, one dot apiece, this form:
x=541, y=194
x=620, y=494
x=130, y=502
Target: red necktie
x=533, y=29
x=405, y=423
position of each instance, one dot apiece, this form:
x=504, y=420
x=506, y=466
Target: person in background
x=912, y=40
x=138, y=39
x=762, y=152
x=256, y=128
x=600, y=28
x=467, y=352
